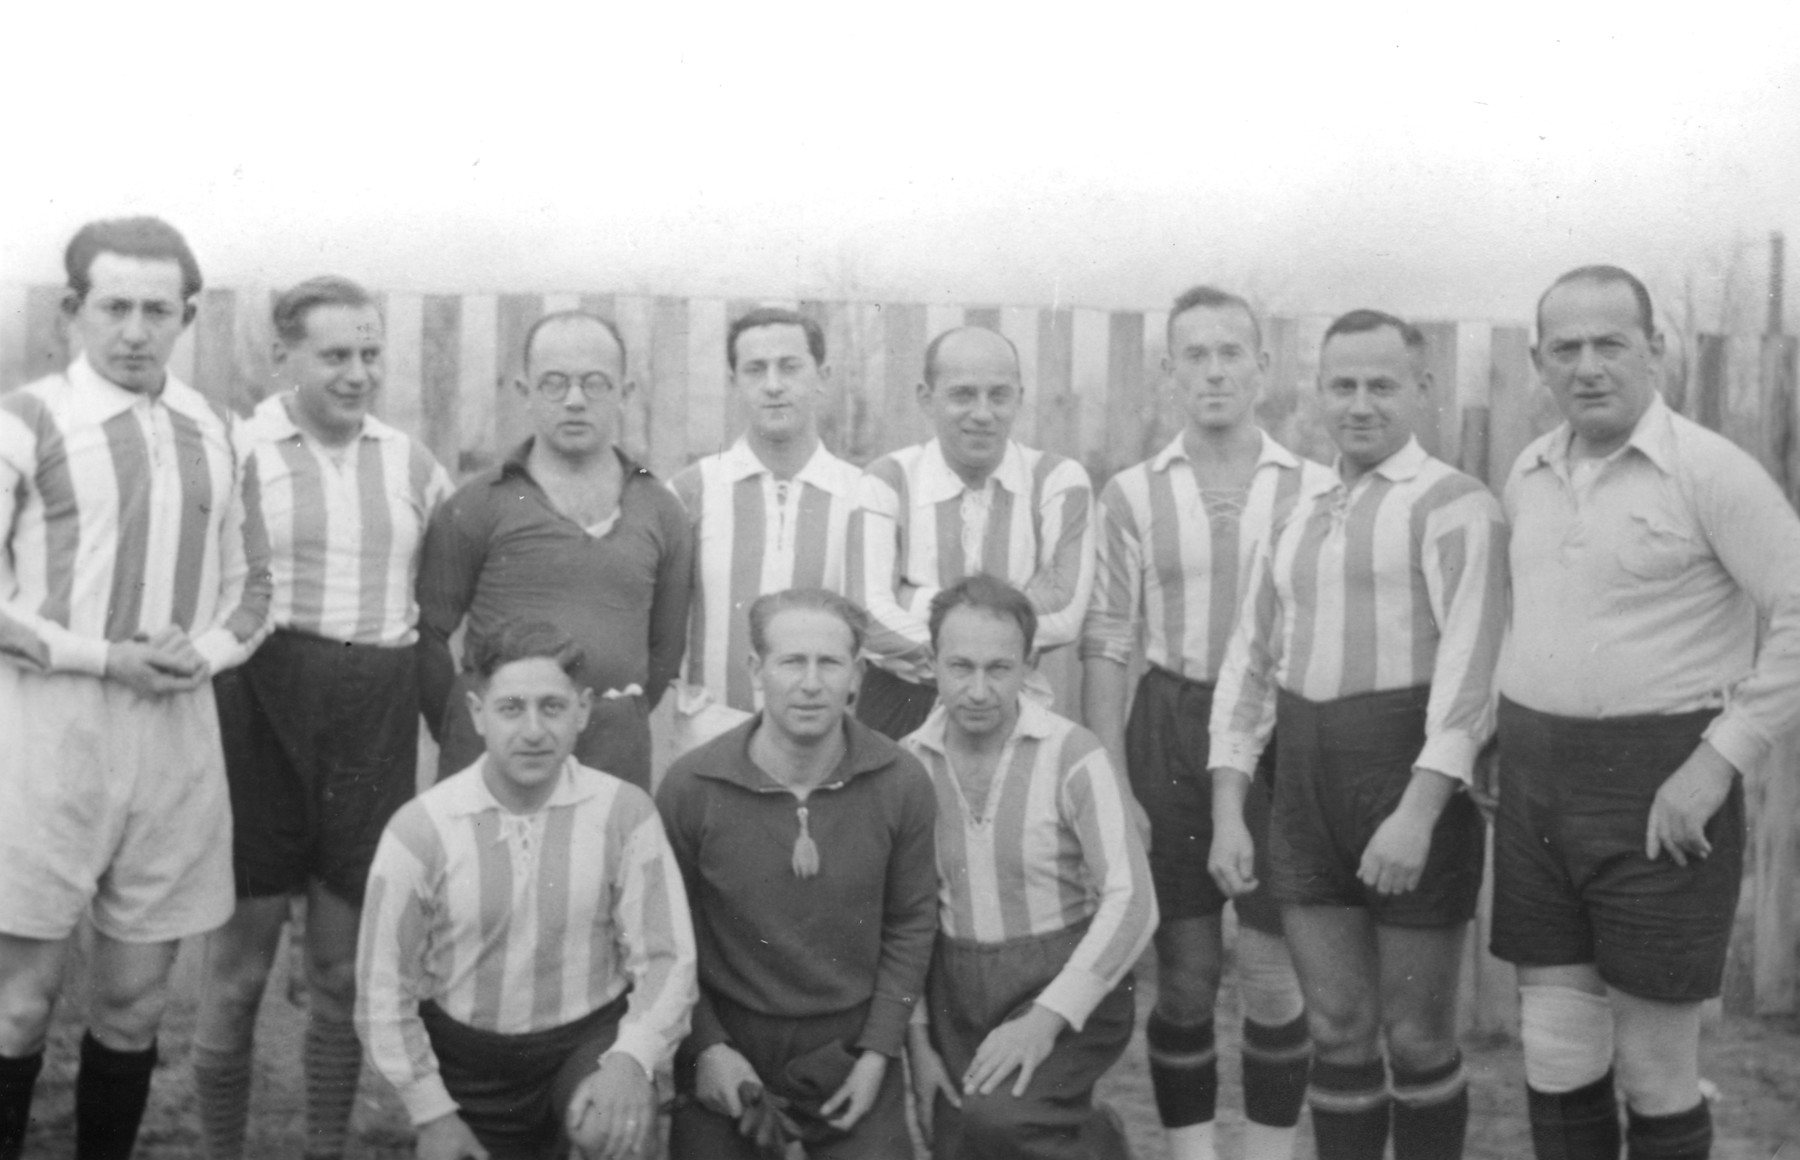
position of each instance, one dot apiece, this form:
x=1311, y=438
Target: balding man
x=969, y=500
x=572, y=531
x=1634, y=691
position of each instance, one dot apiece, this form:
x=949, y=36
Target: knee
x=128, y=1011
x=236, y=989
x=1186, y=992
x=1567, y=1035
x=332, y=982
x=25, y=1019
x=1342, y=1031
x=1419, y=1043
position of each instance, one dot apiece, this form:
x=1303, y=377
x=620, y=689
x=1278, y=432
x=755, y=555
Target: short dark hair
x=931, y=350
x=1363, y=321
x=1604, y=276
x=772, y=604
x=989, y=594
x=556, y=317
x=521, y=640
x=293, y=306
x=776, y=316
x=1211, y=298
x=147, y=238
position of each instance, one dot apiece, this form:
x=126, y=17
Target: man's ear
x=71, y=303
x=584, y=703
x=190, y=310
x=923, y=393
x=627, y=389
x=475, y=713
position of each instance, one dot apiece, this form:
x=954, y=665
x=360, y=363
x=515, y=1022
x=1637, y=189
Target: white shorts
x=114, y=801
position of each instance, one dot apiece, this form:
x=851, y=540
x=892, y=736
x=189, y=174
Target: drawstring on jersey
x=806, y=851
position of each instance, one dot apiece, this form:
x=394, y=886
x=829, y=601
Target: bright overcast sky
x=1440, y=165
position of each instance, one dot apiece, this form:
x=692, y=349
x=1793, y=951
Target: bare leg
x=333, y=1052
x=239, y=956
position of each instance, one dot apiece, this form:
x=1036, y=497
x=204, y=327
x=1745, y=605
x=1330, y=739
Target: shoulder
x=1447, y=493
x=624, y=806
x=1709, y=456
x=415, y=826
x=1051, y=471
x=892, y=469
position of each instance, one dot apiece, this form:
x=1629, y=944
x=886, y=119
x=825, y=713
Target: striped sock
x=1184, y=1071
x=1683, y=1136
x=1578, y=1125
x=1276, y=1062
x=1431, y=1111
x=1349, y=1104
x=333, y=1066
x=111, y=1089
x=222, y=1089
x=18, y=1079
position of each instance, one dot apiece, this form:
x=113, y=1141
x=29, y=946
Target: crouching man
x=526, y=960
x=1044, y=902
x=805, y=839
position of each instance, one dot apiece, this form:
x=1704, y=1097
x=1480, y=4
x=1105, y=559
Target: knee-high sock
x=1431, y=1111
x=1683, y=1136
x=1276, y=1063
x=222, y=1089
x=1184, y=1072
x=1578, y=1125
x=18, y=1079
x=333, y=1066
x=1349, y=1109
x=110, y=1092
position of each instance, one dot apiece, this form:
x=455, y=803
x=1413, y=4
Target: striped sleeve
x=1463, y=558
x=1094, y=808
x=873, y=573
x=28, y=638
x=246, y=583
x=1110, y=630
x=1064, y=579
x=391, y=952
x=650, y=912
x=1243, y=713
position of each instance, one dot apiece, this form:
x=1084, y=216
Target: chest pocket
x=1656, y=549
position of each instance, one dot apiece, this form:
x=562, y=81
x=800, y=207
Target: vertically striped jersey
x=1052, y=846
x=1175, y=560
x=1396, y=582
x=513, y=923
x=753, y=534
x=919, y=528
x=125, y=514
x=344, y=529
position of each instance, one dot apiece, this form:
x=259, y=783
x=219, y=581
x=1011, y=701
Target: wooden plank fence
x=1094, y=391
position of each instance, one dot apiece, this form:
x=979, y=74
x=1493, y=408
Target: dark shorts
x=616, y=740
x=1340, y=772
x=803, y=1059
x=1166, y=747
x=514, y=1090
x=1571, y=883
x=892, y=705
x=321, y=747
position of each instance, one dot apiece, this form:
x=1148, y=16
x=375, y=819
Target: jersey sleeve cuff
x=1451, y=754
x=1237, y=751
x=1736, y=743
x=642, y=1045
x=1074, y=994
x=427, y=1100
x=77, y=654
x=220, y=649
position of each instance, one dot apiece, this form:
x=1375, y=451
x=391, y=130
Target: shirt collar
x=741, y=463
x=1034, y=721
x=473, y=796
x=517, y=462
x=1399, y=467
x=1270, y=452
x=938, y=481
x=1653, y=437
x=272, y=421
x=865, y=751
x=102, y=398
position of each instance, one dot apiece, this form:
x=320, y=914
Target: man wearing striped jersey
x=134, y=560
x=970, y=500
x=1176, y=538
x=768, y=514
x=805, y=839
x=1044, y=902
x=526, y=961
x=1367, y=643
x=568, y=529
x=321, y=725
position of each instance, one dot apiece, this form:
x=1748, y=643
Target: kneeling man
x=1045, y=902
x=805, y=839
x=526, y=961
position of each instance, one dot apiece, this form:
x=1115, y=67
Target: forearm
x=1426, y=795
x=1105, y=685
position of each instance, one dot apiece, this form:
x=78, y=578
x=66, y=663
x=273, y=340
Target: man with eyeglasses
x=571, y=530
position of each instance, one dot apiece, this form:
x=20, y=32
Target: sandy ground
x=1754, y=1062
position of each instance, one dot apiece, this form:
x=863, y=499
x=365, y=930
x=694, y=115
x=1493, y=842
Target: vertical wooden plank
x=1744, y=421
x=1130, y=405
x=1781, y=357
x=632, y=315
x=400, y=402
x=708, y=392
x=1775, y=861
x=988, y=316
x=1519, y=407
x=1167, y=417
x=903, y=345
x=1087, y=441
x=555, y=303
x=48, y=348
x=1442, y=436
x=1287, y=410
x=1474, y=357
x=440, y=376
x=513, y=316
x=1059, y=408
x=1709, y=381
x=863, y=359
x=1020, y=325
x=214, y=341
x=667, y=444
x=605, y=305
x=477, y=365
x=12, y=335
